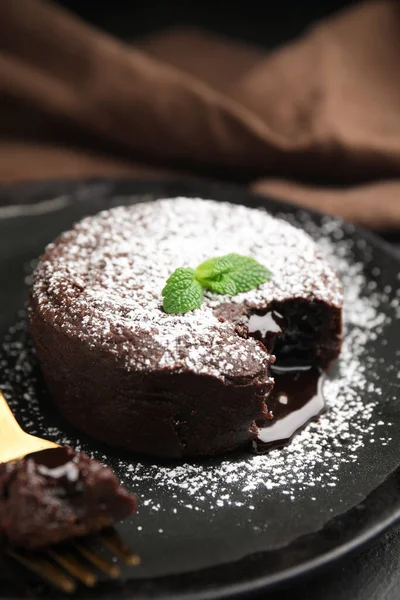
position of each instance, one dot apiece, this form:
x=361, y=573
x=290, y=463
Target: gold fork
x=62, y=568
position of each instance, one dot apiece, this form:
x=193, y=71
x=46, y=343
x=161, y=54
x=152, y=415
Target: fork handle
x=14, y=442
x=7, y=419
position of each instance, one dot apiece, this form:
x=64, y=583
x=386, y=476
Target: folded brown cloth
x=316, y=122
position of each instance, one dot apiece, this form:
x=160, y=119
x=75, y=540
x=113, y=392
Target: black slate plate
x=197, y=548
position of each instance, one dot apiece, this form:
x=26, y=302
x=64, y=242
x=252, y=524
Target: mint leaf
x=232, y=274
x=182, y=292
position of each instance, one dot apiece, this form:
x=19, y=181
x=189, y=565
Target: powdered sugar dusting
x=316, y=455
x=114, y=266
x=314, y=460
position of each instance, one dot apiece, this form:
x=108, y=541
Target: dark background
x=373, y=574
x=264, y=23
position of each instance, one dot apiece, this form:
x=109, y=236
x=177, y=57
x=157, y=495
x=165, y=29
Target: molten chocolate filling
x=296, y=398
x=60, y=464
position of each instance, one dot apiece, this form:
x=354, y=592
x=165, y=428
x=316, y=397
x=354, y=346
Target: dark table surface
x=374, y=572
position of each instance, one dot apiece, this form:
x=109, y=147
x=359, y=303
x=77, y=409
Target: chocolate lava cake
x=56, y=494
x=125, y=372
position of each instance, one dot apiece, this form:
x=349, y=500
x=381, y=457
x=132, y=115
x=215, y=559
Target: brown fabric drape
x=316, y=122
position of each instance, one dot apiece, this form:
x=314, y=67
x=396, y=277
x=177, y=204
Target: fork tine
x=73, y=567
x=98, y=561
x=46, y=571
x=117, y=546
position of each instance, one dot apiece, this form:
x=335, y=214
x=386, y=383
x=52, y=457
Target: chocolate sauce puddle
x=295, y=400
x=297, y=396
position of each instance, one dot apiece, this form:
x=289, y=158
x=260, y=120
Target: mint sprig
x=230, y=274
